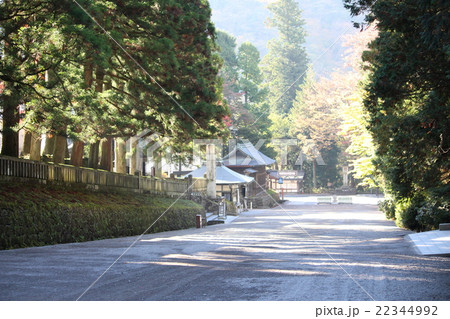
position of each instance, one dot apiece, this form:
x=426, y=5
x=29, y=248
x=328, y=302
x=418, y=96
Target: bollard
x=198, y=220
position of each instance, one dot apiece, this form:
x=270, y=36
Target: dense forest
x=99, y=72
x=384, y=111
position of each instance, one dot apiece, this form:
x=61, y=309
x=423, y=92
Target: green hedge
x=388, y=207
x=42, y=215
x=420, y=213
x=274, y=195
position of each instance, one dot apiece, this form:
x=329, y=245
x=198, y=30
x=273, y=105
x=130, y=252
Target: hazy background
x=326, y=22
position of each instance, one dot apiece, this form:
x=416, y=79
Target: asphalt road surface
x=301, y=251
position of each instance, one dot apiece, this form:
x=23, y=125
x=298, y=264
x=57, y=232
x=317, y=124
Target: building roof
x=224, y=175
x=245, y=154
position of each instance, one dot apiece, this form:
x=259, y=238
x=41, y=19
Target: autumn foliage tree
x=315, y=123
x=359, y=151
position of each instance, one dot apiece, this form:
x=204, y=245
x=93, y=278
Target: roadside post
x=198, y=220
x=280, y=181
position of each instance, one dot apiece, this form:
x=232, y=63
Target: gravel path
x=301, y=252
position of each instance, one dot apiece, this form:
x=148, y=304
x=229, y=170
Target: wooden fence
x=11, y=168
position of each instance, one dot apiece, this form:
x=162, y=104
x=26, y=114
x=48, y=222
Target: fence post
x=139, y=175
x=189, y=187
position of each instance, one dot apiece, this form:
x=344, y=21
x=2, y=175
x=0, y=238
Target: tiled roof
x=224, y=175
x=245, y=154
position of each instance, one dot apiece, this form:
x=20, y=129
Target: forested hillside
x=326, y=21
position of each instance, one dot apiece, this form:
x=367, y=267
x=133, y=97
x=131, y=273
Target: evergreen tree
x=250, y=77
x=157, y=69
x=28, y=29
x=227, y=45
x=407, y=99
x=242, y=89
x=285, y=65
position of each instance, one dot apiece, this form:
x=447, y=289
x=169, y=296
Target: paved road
x=300, y=252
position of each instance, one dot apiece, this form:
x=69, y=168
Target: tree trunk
x=93, y=155
x=99, y=77
x=157, y=161
x=121, y=164
x=49, y=144
x=26, y=143
x=133, y=156
x=78, y=146
x=88, y=72
x=106, y=156
x=59, y=151
x=35, y=147
x=314, y=174
x=9, y=102
x=67, y=152
x=106, y=144
x=10, y=137
x=77, y=153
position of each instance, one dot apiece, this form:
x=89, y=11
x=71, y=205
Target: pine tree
x=25, y=34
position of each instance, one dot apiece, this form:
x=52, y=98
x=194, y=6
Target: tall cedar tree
x=229, y=70
x=250, y=74
x=97, y=91
x=408, y=96
x=285, y=65
x=30, y=48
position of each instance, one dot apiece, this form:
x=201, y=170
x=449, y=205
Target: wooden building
x=229, y=184
x=291, y=181
x=245, y=159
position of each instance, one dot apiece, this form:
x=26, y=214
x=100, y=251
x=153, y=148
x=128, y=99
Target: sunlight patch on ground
x=293, y=272
x=167, y=263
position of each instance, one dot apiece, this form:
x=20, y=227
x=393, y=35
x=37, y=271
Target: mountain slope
x=326, y=23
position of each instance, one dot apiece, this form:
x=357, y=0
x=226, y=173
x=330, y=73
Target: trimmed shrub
x=405, y=214
x=41, y=215
x=274, y=195
x=420, y=213
x=388, y=207
x=430, y=215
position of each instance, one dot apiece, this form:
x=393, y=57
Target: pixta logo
x=149, y=147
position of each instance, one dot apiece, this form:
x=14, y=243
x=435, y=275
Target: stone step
x=215, y=222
